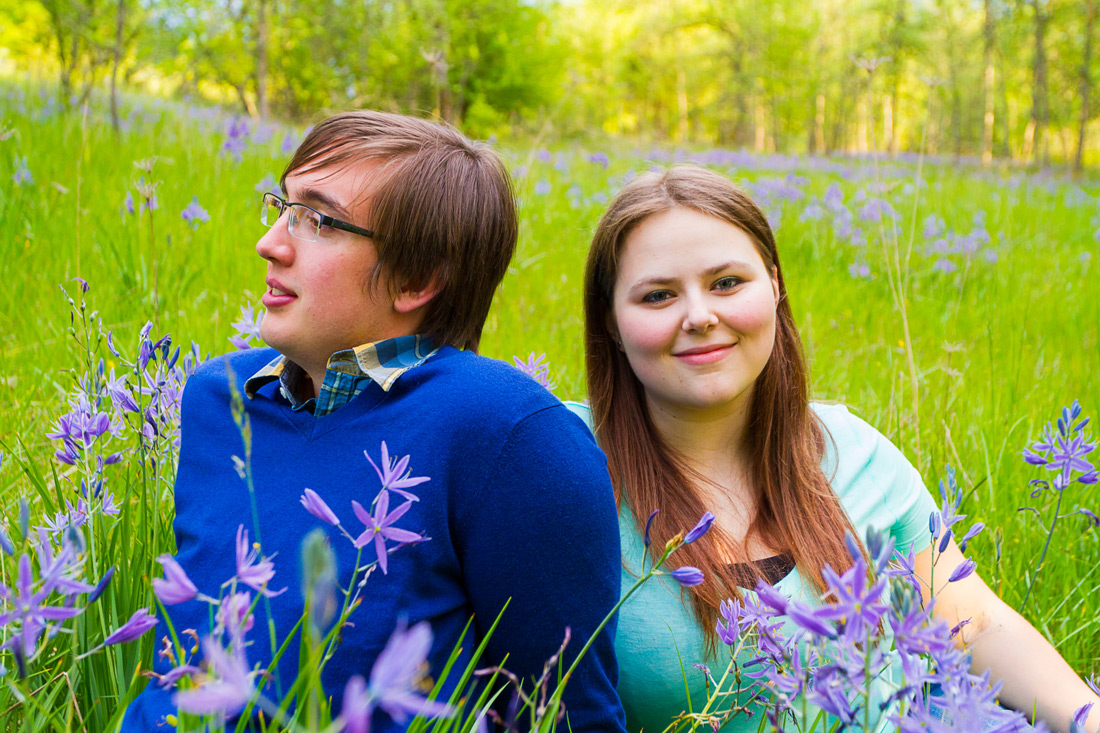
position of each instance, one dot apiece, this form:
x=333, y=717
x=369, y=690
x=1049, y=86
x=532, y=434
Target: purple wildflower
x=229, y=687
x=254, y=571
x=22, y=175
x=316, y=506
x=687, y=576
x=28, y=609
x=140, y=623
x=175, y=587
x=813, y=620
x=700, y=529
x=194, y=213
x=542, y=187
x=357, y=708
x=235, y=615
x=396, y=672
x=379, y=527
x=599, y=159
x=172, y=676
x=944, y=265
x=395, y=473
x=236, y=138
x=964, y=570
x=288, y=145
x=101, y=585
x=1093, y=520
x=128, y=203
x=1080, y=716
x=649, y=525
x=536, y=368
x=269, y=184
x=859, y=270
x=248, y=327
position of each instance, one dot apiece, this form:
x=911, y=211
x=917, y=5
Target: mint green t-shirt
x=659, y=640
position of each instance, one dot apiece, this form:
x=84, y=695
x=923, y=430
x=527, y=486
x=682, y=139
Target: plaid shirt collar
x=347, y=373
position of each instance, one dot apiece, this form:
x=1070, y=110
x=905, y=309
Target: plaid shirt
x=347, y=373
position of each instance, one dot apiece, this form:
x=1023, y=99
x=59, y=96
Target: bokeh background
x=929, y=167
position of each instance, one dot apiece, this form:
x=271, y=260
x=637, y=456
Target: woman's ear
x=613, y=330
x=775, y=284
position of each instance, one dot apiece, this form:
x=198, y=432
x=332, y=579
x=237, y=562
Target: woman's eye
x=657, y=296
x=727, y=283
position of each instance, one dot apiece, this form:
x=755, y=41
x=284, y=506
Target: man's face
x=319, y=295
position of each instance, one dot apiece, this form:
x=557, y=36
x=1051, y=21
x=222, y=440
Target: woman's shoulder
x=583, y=411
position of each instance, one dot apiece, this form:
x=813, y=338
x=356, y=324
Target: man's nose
x=276, y=245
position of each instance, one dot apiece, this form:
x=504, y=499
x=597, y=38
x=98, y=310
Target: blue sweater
x=519, y=506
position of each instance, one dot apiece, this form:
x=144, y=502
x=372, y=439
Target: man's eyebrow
x=312, y=196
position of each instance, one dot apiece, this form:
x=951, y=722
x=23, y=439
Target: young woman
x=698, y=391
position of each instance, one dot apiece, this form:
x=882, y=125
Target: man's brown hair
x=442, y=208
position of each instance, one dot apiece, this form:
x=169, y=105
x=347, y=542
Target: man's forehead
x=345, y=185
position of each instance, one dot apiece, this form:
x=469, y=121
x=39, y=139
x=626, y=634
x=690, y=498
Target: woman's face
x=694, y=307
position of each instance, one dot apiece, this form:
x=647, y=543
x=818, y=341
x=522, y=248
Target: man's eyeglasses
x=304, y=222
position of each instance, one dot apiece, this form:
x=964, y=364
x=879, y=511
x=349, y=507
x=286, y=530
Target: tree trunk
x=888, y=130
x=261, y=58
x=817, y=136
x=862, y=145
x=1085, y=85
x=1040, y=108
x=684, y=130
x=759, y=119
x=988, y=86
x=120, y=22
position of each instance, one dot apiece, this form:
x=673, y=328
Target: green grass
x=998, y=347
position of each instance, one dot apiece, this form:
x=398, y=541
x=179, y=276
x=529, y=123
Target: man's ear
x=408, y=299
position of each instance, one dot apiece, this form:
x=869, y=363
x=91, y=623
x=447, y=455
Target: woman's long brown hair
x=797, y=511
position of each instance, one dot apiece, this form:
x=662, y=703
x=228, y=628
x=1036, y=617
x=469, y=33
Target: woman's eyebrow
x=731, y=265
x=709, y=272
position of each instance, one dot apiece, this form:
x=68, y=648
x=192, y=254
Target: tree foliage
x=963, y=77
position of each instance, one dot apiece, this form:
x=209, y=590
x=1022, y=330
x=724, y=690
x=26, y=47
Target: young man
x=382, y=259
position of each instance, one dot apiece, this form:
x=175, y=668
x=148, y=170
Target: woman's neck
x=712, y=442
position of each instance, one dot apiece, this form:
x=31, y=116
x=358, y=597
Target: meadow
x=947, y=304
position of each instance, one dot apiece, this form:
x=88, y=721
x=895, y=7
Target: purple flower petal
x=316, y=506
x=700, y=529
x=137, y=626
x=687, y=576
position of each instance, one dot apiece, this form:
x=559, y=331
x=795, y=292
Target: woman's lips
x=705, y=357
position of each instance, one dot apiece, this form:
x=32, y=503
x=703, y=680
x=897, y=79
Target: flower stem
x=1046, y=546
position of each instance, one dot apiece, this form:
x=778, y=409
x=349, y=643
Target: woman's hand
x=1035, y=678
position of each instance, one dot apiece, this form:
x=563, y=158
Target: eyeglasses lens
x=304, y=223
x=270, y=211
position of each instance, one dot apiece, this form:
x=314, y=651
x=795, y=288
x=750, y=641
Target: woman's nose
x=699, y=316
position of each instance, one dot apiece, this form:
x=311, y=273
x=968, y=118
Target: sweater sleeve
x=543, y=532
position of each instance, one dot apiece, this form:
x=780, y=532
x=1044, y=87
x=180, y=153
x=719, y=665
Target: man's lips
x=277, y=294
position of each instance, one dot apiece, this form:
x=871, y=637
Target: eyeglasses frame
x=325, y=219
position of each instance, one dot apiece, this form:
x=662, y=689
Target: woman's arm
x=1033, y=674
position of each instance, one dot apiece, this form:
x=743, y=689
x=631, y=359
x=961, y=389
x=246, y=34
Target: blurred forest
x=1011, y=79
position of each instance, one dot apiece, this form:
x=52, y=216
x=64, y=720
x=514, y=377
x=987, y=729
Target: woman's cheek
x=646, y=333
x=753, y=315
